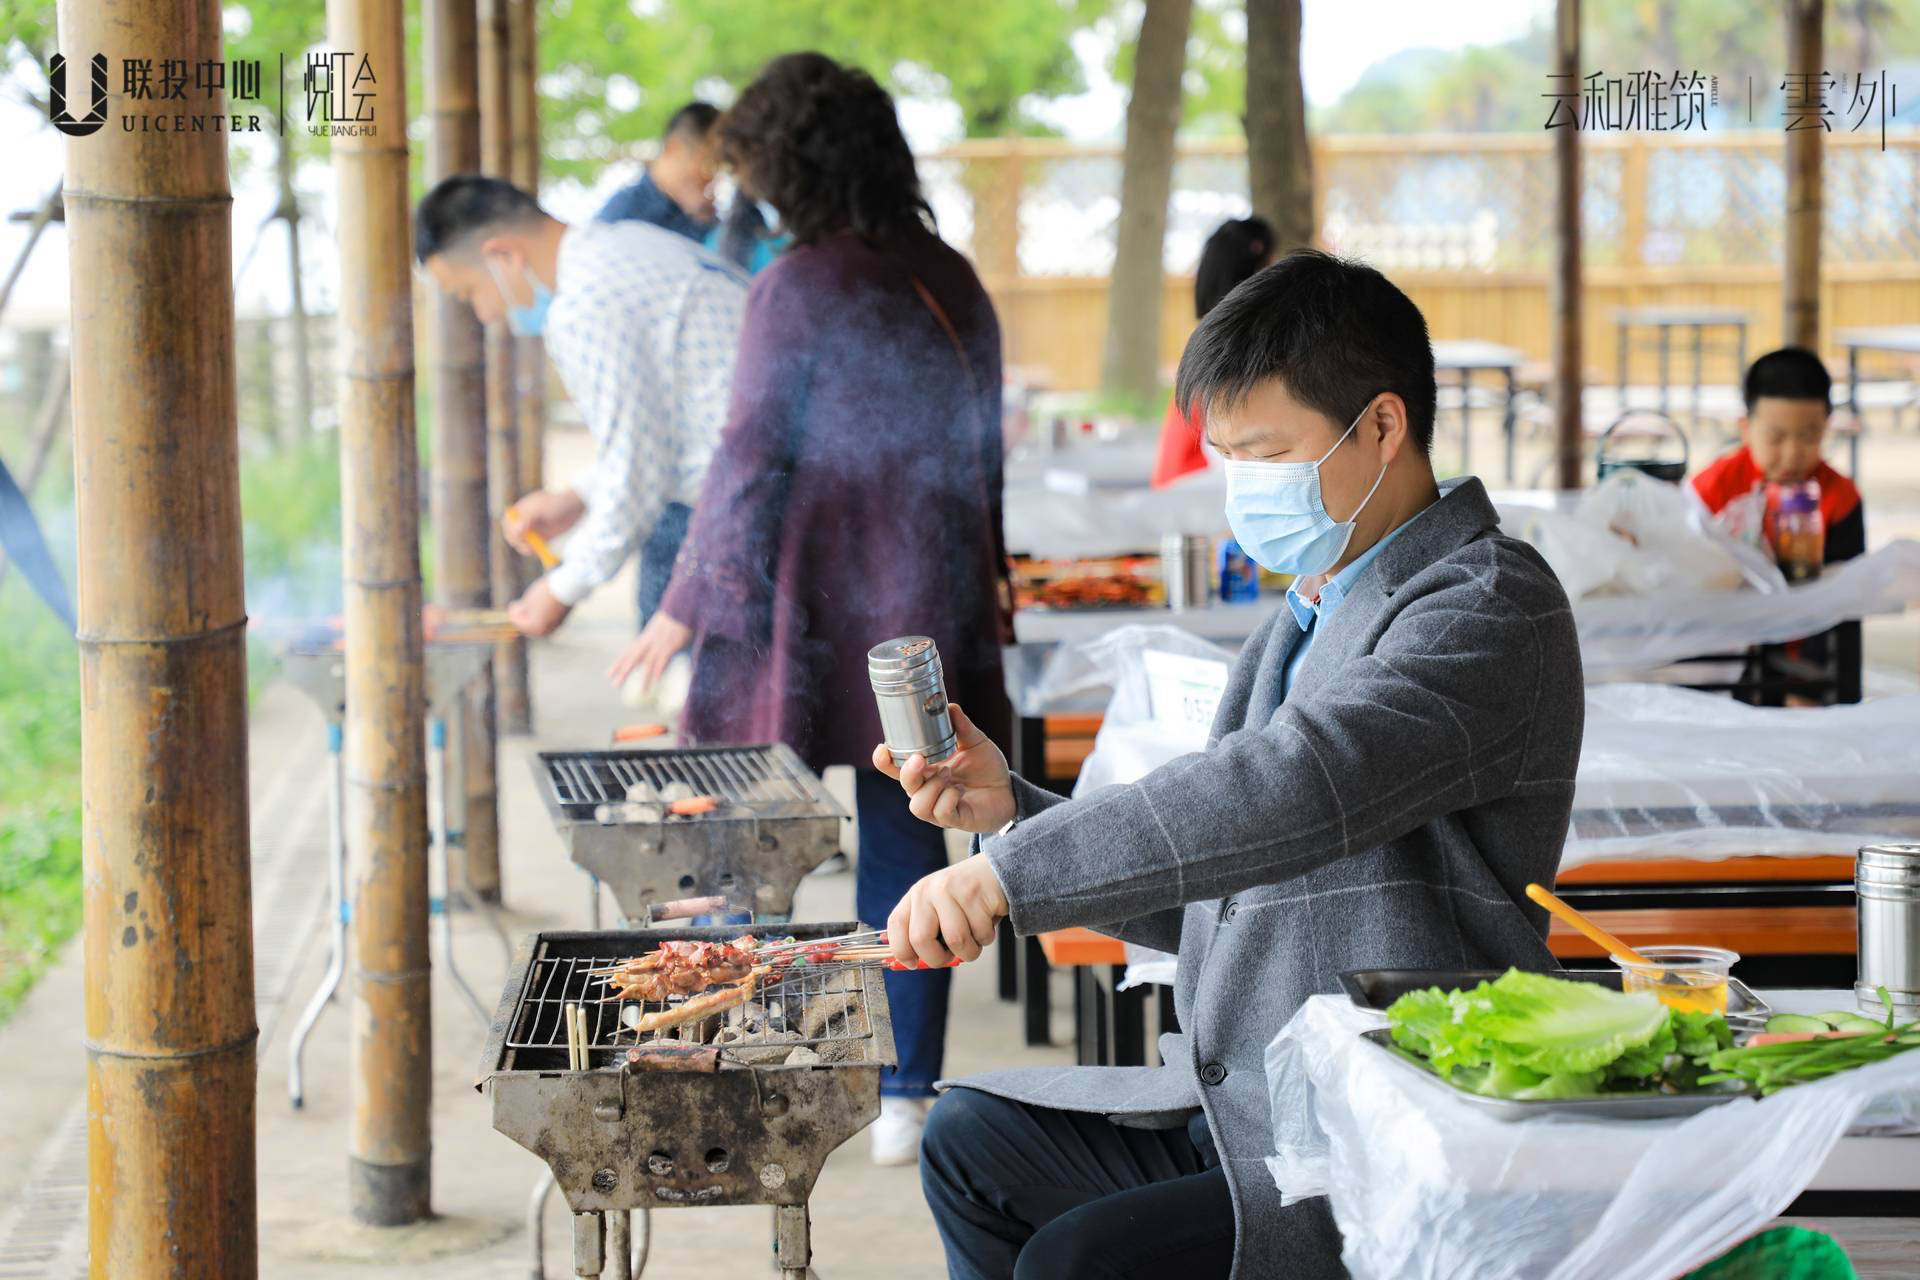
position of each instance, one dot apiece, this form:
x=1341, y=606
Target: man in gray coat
x=1392, y=762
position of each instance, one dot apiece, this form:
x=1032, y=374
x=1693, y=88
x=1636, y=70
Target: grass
x=291, y=503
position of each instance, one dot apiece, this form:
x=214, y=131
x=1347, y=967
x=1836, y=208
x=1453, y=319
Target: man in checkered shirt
x=643, y=326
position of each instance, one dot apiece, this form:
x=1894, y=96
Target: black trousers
x=657, y=553
x=1035, y=1193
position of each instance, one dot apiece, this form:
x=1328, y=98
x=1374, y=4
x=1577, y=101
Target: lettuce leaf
x=1528, y=1035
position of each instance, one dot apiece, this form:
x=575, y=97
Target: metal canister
x=911, y=690
x=1886, y=881
x=1186, y=569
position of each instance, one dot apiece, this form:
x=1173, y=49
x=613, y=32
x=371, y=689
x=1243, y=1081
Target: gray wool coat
x=1388, y=812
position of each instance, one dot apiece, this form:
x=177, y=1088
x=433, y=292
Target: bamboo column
x=1567, y=288
x=391, y=1051
x=168, y=936
x=531, y=353
x=503, y=433
x=460, y=530
x=1801, y=323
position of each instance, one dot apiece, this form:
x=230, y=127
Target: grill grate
x=537, y=1036
x=738, y=775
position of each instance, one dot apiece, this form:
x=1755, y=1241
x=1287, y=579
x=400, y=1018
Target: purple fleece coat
x=854, y=497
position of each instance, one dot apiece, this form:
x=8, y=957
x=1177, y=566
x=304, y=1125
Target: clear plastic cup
x=1691, y=979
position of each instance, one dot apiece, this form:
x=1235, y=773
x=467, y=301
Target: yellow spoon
x=1612, y=945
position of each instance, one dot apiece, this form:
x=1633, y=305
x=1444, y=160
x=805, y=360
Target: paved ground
x=868, y=1222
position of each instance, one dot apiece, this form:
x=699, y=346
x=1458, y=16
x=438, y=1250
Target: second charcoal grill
x=773, y=822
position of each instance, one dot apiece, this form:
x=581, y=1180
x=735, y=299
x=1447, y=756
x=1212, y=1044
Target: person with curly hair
x=855, y=495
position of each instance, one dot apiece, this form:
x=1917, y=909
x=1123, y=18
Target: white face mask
x=1279, y=517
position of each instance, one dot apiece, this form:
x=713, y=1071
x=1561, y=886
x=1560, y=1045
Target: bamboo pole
x=530, y=362
x=168, y=939
x=1566, y=286
x=503, y=433
x=1800, y=325
x=391, y=1050
x=460, y=533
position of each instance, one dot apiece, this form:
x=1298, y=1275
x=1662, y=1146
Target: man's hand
x=950, y=913
x=651, y=650
x=539, y=611
x=547, y=512
x=971, y=790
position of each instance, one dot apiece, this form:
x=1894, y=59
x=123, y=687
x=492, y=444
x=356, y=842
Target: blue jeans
x=657, y=553
x=897, y=849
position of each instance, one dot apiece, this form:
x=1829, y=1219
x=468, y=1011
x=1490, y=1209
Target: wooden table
x=1466, y=358
x=1900, y=338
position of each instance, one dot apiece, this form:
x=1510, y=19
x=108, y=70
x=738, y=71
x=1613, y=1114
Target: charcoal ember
x=804, y=1056
x=677, y=791
x=842, y=1051
x=642, y=792
x=826, y=1009
x=757, y=1050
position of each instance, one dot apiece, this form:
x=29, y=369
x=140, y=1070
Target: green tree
x=610, y=80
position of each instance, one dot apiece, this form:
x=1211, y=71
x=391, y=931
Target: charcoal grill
x=774, y=824
x=649, y=1126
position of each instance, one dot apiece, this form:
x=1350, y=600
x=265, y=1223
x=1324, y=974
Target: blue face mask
x=1279, y=518
x=529, y=321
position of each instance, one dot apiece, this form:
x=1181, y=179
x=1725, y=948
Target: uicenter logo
x=63, y=119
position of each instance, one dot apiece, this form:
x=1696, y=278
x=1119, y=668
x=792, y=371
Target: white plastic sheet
x=1424, y=1187
x=1673, y=773
x=1621, y=635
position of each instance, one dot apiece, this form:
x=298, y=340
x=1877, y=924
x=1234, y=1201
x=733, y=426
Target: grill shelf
x=536, y=1039
x=757, y=778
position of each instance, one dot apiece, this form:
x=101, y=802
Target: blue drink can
x=1239, y=575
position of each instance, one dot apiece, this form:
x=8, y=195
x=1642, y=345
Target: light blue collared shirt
x=1305, y=612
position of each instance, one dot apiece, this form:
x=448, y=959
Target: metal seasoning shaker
x=1186, y=569
x=1886, y=882
x=911, y=690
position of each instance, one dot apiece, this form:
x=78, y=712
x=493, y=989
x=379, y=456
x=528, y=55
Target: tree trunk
x=1801, y=324
x=390, y=1055
x=1130, y=362
x=1279, y=161
x=289, y=211
x=168, y=933
x=461, y=533
x=503, y=431
x=1567, y=287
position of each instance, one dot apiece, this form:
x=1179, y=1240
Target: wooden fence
x=1461, y=221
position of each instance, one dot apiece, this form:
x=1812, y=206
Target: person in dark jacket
x=855, y=495
x=675, y=191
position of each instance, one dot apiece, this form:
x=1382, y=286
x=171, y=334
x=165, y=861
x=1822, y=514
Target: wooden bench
x=1110, y=1025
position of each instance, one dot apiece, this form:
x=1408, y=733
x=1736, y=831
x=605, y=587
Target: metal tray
x=1377, y=988
x=1651, y=1105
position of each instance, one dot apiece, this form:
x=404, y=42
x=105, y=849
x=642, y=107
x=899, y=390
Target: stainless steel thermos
x=1886, y=881
x=1186, y=569
x=911, y=691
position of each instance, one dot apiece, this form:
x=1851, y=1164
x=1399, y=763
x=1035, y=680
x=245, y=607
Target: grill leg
x=619, y=1245
x=437, y=764
x=589, y=1246
x=537, y=1225
x=792, y=1245
x=337, y=888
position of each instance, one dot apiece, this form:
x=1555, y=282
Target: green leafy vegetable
x=1529, y=1036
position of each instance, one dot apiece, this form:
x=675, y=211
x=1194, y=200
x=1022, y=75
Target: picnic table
x=1663, y=320
x=1903, y=339
x=1466, y=357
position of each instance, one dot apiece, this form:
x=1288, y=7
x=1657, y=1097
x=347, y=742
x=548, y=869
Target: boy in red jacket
x=1787, y=395
x=1786, y=421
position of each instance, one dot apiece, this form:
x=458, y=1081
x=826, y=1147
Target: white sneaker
x=896, y=1134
